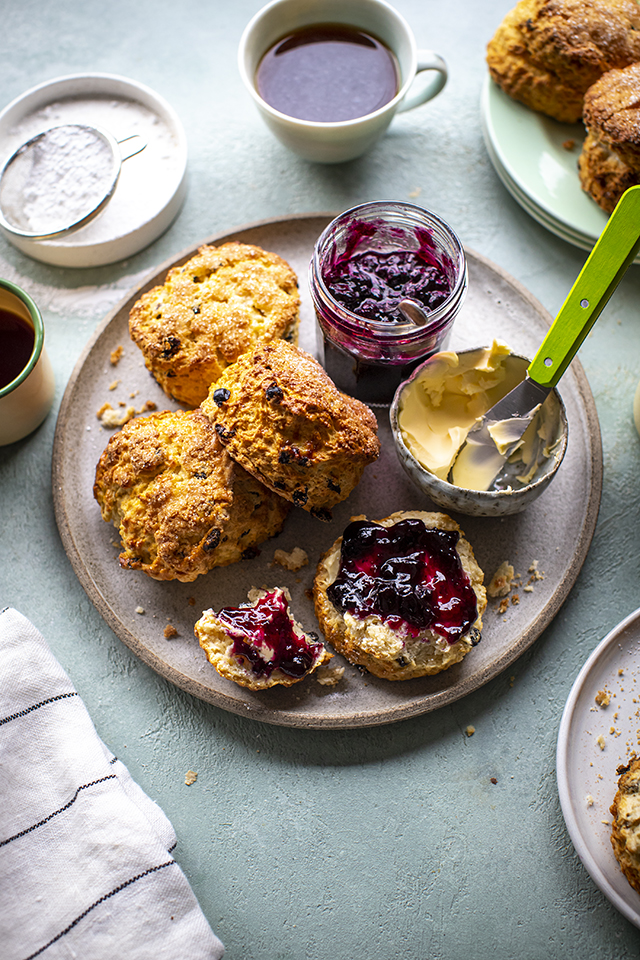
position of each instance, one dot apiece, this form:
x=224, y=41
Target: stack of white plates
x=537, y=160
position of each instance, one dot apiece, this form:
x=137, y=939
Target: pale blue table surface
x=384, y=842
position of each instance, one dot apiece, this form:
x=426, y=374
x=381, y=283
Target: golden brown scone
x=547, y=53
x=385, y=643
x=181, y=504
x=259, y=644
x=625, y=829
x=602, y=173
x=612, y=113
x=284, y=420
x=211, y=310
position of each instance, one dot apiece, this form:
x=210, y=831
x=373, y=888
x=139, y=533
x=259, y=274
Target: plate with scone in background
x=536, y=158
x=546, y=544
x=599, y=734
x=560, y=110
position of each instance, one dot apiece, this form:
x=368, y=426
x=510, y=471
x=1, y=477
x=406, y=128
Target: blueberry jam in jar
x=407, y=574
x=372, y=284
x=263, y=635
x=365, y=262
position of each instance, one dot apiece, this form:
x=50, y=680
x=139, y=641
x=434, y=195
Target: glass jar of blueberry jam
x=365, y=262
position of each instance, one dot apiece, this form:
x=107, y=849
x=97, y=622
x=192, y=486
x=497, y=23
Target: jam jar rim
x=438, y=318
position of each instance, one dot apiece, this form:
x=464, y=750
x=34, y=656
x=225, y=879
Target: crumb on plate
x=501, y=581
x=294, y=560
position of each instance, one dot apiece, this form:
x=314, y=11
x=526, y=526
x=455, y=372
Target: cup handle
x=427, y=60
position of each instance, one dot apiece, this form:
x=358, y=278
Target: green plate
x=526, y=149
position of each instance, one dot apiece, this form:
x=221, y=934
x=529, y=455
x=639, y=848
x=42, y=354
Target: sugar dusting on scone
x=403, y=596
x=547, y=53
x=211, y=310
x=181, y=504
x=259, y=644
x=625, y=830
x=283, y=419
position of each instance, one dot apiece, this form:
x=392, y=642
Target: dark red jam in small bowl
x=366, y=261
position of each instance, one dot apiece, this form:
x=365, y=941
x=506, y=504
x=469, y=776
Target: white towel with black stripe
x=85, y=855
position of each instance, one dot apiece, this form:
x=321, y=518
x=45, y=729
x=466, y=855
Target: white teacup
x=346, y=139
x=27, y=399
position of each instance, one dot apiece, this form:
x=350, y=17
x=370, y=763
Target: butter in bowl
x=434, y=410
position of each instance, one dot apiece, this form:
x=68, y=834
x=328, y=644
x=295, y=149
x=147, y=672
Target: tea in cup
x=328, y=76
x=26, y=379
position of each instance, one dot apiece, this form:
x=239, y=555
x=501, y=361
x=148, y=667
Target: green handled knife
x=496, y=435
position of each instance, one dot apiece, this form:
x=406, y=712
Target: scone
x=181, y=504
x=403, y=596
x=211, y=310
x=603, y=175
x=610, y=159
x=625, y=829
x=259, y=644
x=547, y=53
x=284, y=420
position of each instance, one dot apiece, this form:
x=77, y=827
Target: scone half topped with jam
x=181, y=504
x=210, y=311
x=283, y=419
x=259, y=644
x=403, y=596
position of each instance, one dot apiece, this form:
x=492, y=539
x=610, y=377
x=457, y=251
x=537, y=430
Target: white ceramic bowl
x=476, y=503
x=152, y=185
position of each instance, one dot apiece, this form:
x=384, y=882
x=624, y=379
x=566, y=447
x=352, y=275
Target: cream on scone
x=403, y=596
x=259, y=644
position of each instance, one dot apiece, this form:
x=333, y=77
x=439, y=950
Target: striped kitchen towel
x=85, y=856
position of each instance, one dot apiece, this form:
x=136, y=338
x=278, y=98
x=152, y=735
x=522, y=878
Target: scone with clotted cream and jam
x=209, y=311
x=403, y=596
x=181, y=504
x=283, y=419
x=259, y=644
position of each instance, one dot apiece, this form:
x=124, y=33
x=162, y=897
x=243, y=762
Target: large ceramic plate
x=528, y=153
x=556, y=530
x=593, y=741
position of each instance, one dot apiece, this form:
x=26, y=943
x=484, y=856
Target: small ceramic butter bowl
x=432, y=412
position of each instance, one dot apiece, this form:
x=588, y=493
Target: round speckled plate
x=556, y=530
x=593, y=742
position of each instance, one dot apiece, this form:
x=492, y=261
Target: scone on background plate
x=547, y=53
x=284, y=420
x=625, y=829
x=402, y=596
x=181, y=504
x=211, y=310
x=259, y=644
x=610, y=159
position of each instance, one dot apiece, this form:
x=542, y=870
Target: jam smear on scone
x=407, y=574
